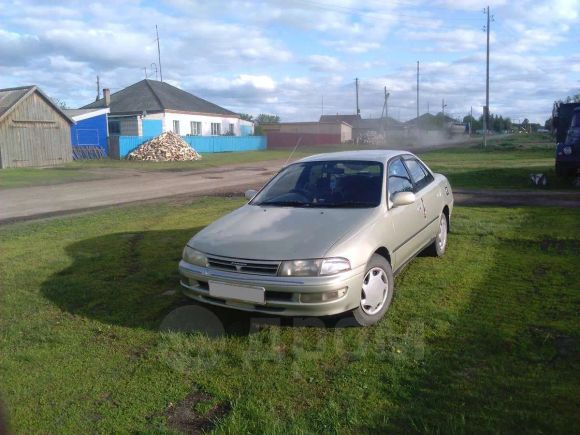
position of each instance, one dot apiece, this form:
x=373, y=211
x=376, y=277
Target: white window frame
x=216, y=128
x=176, y=128
x=195, y=128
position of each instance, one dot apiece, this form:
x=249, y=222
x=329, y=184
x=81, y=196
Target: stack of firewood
x=167, y=147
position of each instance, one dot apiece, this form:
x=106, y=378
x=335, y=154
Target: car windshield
x=325, y=184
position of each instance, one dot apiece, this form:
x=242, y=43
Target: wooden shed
x=33, y=130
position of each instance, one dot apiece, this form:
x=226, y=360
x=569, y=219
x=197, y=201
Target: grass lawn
x=89, y=169
x=484, y=340
x=505, y=164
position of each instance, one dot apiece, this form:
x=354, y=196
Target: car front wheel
x=376, y=292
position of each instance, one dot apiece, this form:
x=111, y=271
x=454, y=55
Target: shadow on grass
x=131, y=279
x=507, y=361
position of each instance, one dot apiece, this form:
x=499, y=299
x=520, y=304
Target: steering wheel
x=303, y=193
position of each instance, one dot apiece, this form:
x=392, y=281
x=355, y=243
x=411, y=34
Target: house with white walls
x=150, y=107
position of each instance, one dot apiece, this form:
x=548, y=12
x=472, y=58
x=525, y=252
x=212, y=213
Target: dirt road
x=136, y=186
x=29, y=202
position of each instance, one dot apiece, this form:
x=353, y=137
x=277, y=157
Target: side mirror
x=403, y=198
x=250, y=194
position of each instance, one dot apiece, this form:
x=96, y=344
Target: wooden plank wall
x=34, y=134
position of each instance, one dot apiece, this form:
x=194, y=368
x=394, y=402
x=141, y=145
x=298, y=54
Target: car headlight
x=316, y=267
x=567, y=150
x=193, y=256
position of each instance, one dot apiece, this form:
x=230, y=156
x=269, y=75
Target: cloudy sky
x=284, y=57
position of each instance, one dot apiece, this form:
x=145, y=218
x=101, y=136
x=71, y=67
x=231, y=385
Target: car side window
x=399, y=179
x=419, y=173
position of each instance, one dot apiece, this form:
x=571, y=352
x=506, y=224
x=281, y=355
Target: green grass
x=474, y=168
x=90, y=169
x=485, y=339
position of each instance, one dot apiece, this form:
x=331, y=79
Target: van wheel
x=376, y=292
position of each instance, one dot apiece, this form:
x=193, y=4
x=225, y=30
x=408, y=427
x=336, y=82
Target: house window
x=231, y=129
x=195, y=128
x=215, y=128
x=114, y=127
x=176, y=126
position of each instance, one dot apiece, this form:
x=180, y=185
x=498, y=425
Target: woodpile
x=167, y=147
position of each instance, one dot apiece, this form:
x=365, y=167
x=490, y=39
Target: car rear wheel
x=376, y=292
x=437, y=249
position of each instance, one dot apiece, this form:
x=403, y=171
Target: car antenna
x=294, y=150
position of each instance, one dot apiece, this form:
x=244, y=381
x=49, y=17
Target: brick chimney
x=107, y=96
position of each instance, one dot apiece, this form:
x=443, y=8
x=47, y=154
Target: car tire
x=379, y=280
x=439, y=245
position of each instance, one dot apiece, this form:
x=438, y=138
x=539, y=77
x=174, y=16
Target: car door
x=426, y=191
x=408, y=220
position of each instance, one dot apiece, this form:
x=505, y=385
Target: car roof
x=366, y=155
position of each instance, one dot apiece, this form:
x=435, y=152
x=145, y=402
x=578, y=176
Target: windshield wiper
x=286, y=203
x=348, y=204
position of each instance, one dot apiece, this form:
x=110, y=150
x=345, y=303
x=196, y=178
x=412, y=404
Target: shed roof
x=81, y=114
x=11, y=97
x=154, y=96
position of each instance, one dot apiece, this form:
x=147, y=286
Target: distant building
x=150, y=107
x=363, y=128
x=34, y=131
x=289, y=134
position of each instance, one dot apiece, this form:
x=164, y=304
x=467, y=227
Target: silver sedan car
x=326, y=235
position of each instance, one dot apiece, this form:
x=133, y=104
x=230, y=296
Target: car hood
x=279, y=233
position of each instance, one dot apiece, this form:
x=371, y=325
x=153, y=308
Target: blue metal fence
x=202, y=144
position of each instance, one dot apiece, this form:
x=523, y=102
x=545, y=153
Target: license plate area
x=255, y=295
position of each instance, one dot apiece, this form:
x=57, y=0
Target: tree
x=548, y=124
x=264, y=118
x=572, y=99
x=61, y=104
x=246, y=117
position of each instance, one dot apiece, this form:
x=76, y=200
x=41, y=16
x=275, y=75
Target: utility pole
x=387, y=95
x=428, y=108
x=98, y=89
x=470, y=120
x=159, y=53
x=357, y=108
x=443, y=106
x=385, y=112
x=486, y=108
x=417, y=95
x=322, y=104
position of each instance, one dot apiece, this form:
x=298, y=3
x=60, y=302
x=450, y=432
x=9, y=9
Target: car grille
x=255, y=267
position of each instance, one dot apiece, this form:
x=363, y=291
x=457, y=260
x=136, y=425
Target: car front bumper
x=282, y=294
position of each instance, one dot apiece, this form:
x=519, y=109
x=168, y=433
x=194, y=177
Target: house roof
x=427, y=118
x=154, y=96
x=10, y=97
x=360, y=123
x=349, y=119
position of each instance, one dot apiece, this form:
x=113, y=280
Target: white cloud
x=282, y=57
x=324, y=63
